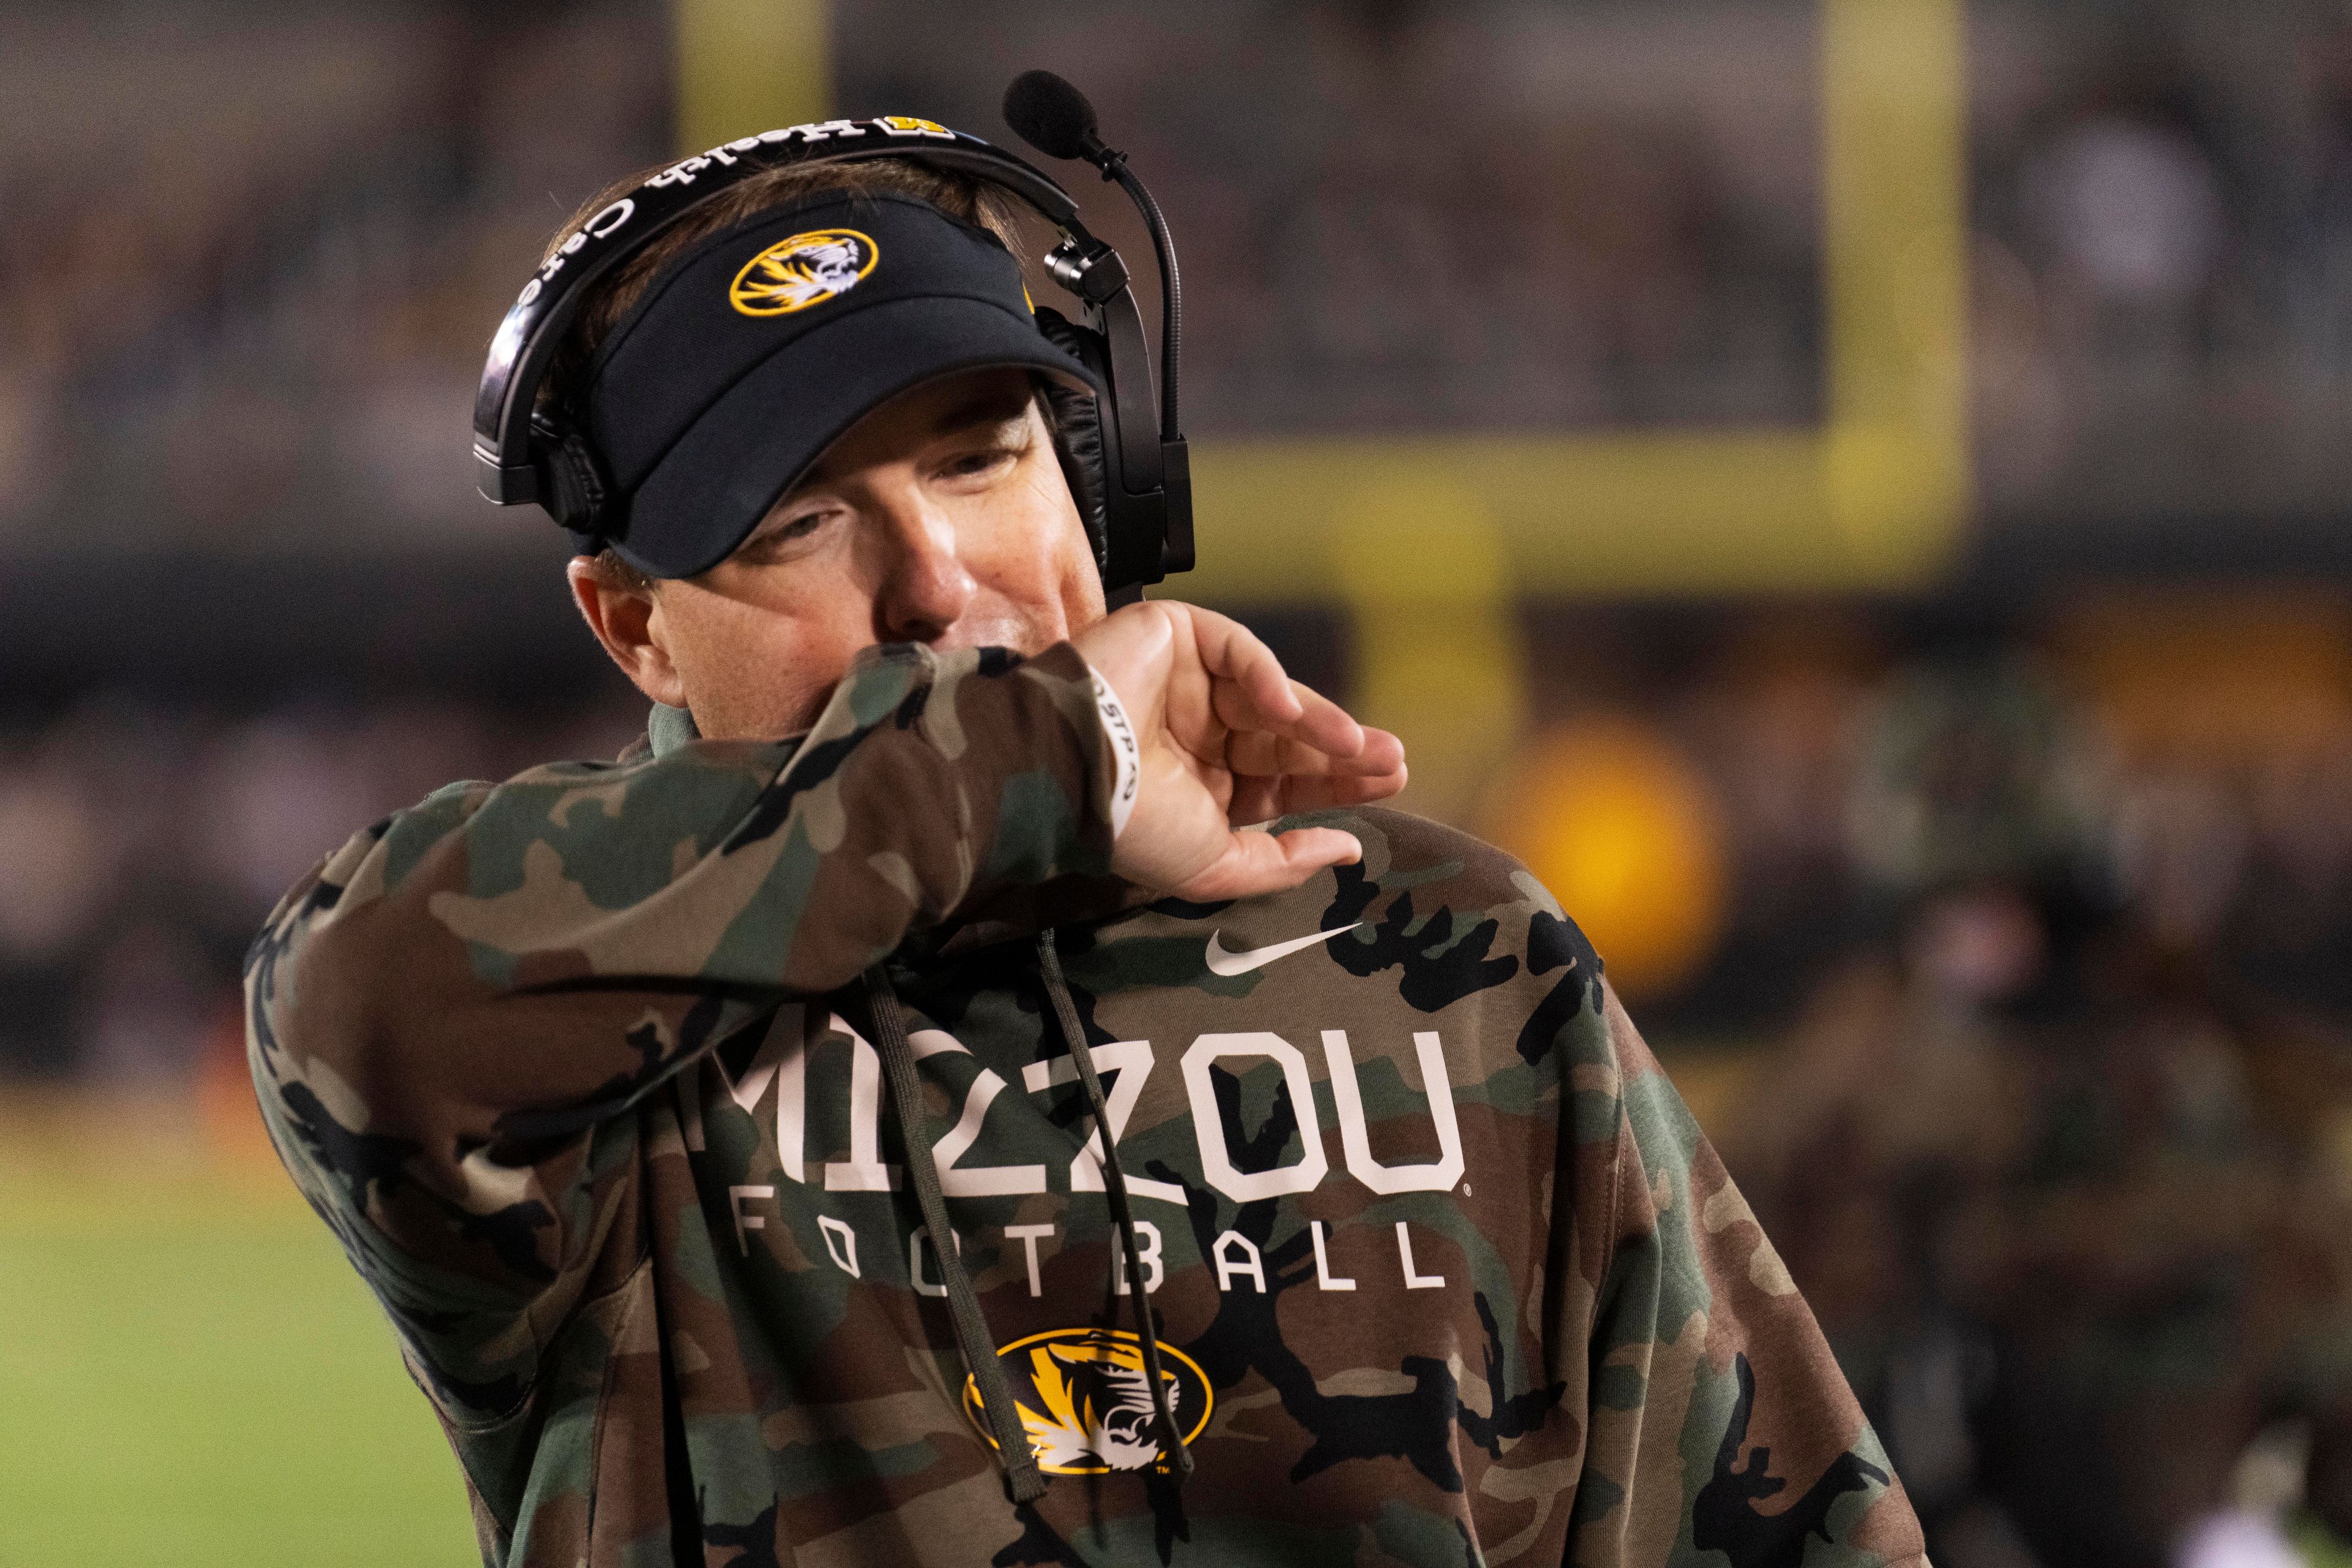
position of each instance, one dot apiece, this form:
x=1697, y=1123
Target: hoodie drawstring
x=1022, y=1479
x=1049, y=968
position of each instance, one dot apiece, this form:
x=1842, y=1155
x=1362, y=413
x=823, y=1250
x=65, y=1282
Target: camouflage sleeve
x=1720, y=1423
x=447, y=1012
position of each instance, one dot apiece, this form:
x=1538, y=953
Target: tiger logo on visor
x=806, y=270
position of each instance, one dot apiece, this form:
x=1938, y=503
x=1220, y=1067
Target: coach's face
x=942, y=518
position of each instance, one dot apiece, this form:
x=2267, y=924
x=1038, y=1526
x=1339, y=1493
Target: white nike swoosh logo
x=1222, y=961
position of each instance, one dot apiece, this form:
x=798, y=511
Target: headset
x=1125, y=454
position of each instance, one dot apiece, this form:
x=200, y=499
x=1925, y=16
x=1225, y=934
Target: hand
x=1228, y=740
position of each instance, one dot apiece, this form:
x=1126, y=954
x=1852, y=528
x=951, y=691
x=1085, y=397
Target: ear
x=628, y=622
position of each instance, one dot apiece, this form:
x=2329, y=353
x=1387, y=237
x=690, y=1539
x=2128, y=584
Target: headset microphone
x=1050, y=114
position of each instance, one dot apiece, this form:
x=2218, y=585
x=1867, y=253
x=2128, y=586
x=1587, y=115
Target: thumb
x=1254, y=863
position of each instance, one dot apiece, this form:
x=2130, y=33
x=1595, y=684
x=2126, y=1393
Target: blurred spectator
x=2129, y=207
x=54, y=857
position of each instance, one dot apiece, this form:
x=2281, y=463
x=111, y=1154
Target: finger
x=1256, y=800
x=1325, y=725
x=1254, y=863
x=1230, y=651
x=1323, y=794
x=1383, y=752
x=1257, y=751
x=1319, y=723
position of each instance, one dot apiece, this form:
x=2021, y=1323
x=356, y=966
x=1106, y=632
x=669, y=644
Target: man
x=1305, y=1195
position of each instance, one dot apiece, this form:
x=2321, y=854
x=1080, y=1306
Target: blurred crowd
x=140, y=843
x=263, y=308
x=255, y=252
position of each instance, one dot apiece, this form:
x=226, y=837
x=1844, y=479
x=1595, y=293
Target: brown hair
x=609, y=299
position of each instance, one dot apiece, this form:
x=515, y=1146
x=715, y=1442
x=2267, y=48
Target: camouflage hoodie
x=600, y=1075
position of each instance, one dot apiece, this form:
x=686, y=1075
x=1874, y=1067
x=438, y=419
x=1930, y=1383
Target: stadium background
x=1855, y=491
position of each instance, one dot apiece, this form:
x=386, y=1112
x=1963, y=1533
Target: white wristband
x=1126, y=750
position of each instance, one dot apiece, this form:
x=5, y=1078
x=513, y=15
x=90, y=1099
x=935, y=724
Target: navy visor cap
x=760, y=348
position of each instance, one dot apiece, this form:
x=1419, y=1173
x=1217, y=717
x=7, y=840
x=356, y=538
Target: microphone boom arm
x=1114, y=168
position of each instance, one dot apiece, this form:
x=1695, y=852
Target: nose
x=925, y=587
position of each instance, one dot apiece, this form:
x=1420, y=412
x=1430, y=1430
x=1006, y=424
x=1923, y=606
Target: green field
x=191, y=1375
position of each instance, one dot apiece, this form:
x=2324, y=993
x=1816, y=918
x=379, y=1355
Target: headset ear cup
x=1078, y=426
x=571, y=487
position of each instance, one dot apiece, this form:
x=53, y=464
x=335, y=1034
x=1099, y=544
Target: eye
x=987, y=452
x=982, y=460
x=794, y=529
